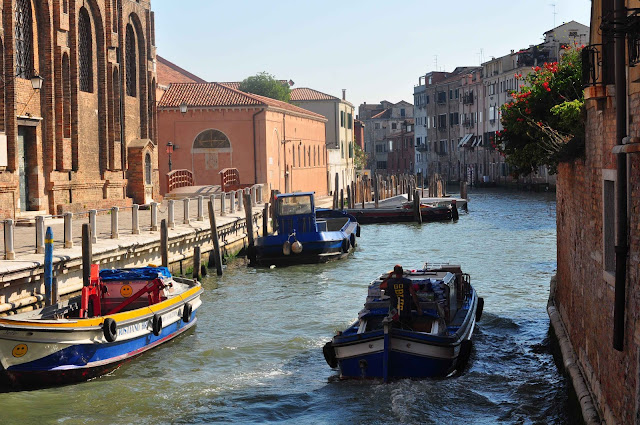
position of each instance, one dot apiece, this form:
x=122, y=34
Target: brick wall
x=75, y=163
x=585, y=292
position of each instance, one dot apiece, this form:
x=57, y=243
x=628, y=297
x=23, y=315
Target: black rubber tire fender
x=330, y=354
x=345, y=245
x=352, y=240
x=479, y=308
x=156, y=324
x=110, y=329
x=186, y=313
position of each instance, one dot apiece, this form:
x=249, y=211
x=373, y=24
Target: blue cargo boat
x=122, y=313
x=300, y=237
x=435, y=344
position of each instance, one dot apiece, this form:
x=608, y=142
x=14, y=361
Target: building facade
x=86, y=138
x=382, y=120
x=266, y=140
x=597, y=290
x=339, y=132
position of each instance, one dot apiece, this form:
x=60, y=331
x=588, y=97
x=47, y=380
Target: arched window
x=210, y=140
x=85, y=51
x=130, y=46
x=66, y=97
x=147, y=169
x=24, y=39
x=115, y=15
x=65, y=6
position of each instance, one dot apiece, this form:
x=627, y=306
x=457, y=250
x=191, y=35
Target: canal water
x=255, y=355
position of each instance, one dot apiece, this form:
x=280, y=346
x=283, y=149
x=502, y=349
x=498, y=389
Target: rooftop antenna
x=554, y=13
x=435, y=60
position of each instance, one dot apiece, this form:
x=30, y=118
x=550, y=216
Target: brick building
x=86, y=138
x=597, y=294
x=267, y=140
x=401, y=156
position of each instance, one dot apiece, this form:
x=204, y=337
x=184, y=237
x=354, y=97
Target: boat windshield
x=294, y=205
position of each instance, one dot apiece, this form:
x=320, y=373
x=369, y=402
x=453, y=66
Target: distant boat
x=121, y=314
x=401, y=213
x=436, y=344
x=301, y=237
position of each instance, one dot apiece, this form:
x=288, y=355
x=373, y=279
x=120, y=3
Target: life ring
x=156, y=324
x=345, y=245
x=330, y=354
x=186, y=313
x=479, y=309
x=110, y=329
x=352, y=239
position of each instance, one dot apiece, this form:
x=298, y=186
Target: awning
x=477, y=141
x=464, y=140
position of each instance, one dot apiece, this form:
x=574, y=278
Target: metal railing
x=230, y=202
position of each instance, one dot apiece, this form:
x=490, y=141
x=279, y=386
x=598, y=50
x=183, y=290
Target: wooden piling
x=216, y=241
x=349, y=199
x=376, y=195
x=248, y=208
x=335, y=192
x=87, y=254
x=341, y=199
x=265, y=220
x=416, y=206
x=164, y=243
x=197, y=260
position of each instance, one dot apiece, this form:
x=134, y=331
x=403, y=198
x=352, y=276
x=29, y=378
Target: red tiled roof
x=168, y=72
x=305, y=93
x=218, y=95
x=233, y=84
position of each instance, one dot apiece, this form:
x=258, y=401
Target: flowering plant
x=544, y=122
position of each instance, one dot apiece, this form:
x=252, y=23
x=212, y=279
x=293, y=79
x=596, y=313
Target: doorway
x=25, y=135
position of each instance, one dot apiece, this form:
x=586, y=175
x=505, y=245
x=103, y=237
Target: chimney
x=344, y=94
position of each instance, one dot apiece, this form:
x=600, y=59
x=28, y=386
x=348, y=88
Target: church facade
x=77, y=94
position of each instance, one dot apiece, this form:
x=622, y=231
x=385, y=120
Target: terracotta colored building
x=401, y=156
x=268, y=141
x=358, y=133
x=86, y=138
x=596, y=298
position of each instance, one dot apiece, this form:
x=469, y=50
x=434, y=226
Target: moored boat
x=432, y=344
x=301, y=237
x=122, y=313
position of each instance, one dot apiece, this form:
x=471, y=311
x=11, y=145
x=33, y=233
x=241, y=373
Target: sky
x=374, y=49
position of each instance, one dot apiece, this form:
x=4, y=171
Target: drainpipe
x=255, y=156
x=121, y=70
x=621, y=179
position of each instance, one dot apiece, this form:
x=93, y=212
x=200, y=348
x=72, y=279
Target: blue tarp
x=140, y=273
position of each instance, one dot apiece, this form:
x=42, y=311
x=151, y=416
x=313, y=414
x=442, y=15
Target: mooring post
x=214, y=237
x=241, y=200
x=135, y=224
x=342, y=199
x=416, y=206
x=454, y=210
x=92, y=224
x=223, y=204
x=55, y=297
x=185, y=211
x=254, y=195
x=48, y=266
x=154, y=216
x=164, y=243
x=232, y=199
x=87, y=254
x=363, y=191
x=265, y=220
x=9, y=253
x=40, y=234
x=170, y=214
x=196, y=263
x=376, y=194
x=249, y=218
x=68, y=230
x=200, y=208
x=114, y=223
x=349, y=196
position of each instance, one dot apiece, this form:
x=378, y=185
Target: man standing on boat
x=401, y=293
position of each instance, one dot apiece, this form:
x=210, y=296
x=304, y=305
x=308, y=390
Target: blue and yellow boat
x=121, y=314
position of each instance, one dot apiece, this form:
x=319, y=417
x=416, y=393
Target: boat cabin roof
x=290, y=195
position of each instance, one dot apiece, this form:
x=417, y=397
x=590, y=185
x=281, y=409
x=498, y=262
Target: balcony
x=468, y=99
x=422, y=147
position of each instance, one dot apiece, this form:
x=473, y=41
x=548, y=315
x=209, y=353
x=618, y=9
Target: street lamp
x=169, y=152
x=183, y=108
x=36, y=82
